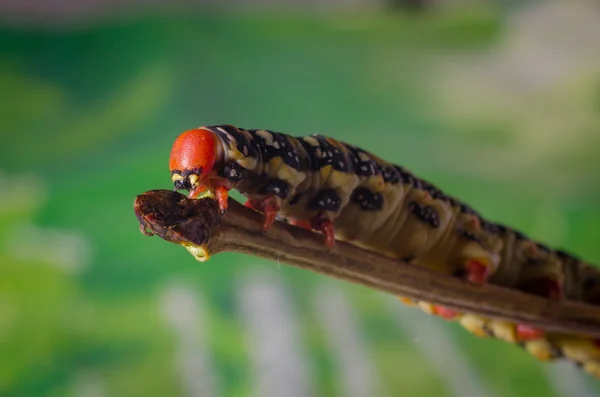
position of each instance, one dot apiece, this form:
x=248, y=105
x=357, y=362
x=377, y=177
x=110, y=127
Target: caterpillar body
x=352, y=195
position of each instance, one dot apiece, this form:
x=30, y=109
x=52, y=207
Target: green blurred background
x=497, y=105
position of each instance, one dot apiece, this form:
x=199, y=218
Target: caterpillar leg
x=325, y=226
x=445, y=312
x=221, y=194
x=527, y=332
x=319, y=223
x=546, y=287
x=269, y=207
x=478, y=270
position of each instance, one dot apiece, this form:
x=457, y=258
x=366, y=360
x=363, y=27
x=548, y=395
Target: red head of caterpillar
x=194, y=157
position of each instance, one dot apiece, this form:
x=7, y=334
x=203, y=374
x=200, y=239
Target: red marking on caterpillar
x=526, y=332
x=444, y=312
x=268, y=209
x=477, y=272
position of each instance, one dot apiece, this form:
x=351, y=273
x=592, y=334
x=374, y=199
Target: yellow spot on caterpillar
x=311, y=141
x=176, y=177
x=503, y=330
x=281, y=170
x=406, y=301
x=592, y=368
x=193, y=180
x=540, y=349
x=363, y=156
x=266, y=135
x=578, y=349
x=208, y=193
x=474, y=324
x=426, y=307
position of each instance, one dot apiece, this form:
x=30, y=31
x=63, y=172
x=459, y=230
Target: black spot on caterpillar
x=233, y=172
x=339, y=188
x=428, y=215
x=325, y=200
x=367, y=200
x=276, y=187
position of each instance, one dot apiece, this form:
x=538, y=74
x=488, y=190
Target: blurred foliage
x=91, y=112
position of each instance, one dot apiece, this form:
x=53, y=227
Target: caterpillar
x=349, y=194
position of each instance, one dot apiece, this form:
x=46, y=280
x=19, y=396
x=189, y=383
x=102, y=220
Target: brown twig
x=196, y=223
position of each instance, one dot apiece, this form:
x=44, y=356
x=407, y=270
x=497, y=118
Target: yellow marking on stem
x=199, y=252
